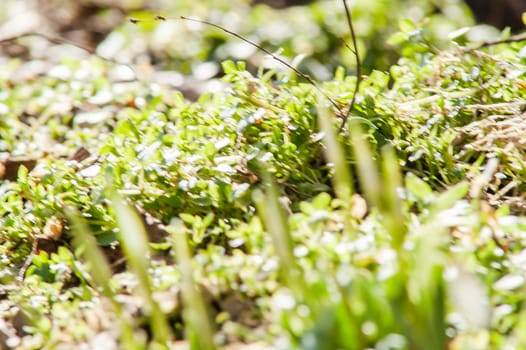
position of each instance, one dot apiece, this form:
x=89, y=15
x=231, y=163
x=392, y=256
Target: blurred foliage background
x=314, y=32
x=187, y=168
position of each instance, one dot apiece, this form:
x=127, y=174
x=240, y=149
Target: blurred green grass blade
x=520, y=329
x=273, y=217
x=448, y=198
x=100, y=272
x=269, y=207
x=84, y=242
x=366, y=167
x=432, y=310
x=196, y=316
x=134, y=243
x=392, y=206
x=335, y=154
x=426, y=288
x=419, y=188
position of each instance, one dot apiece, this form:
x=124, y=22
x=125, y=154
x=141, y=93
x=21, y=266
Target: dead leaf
x=53, y=228
x=358, y=207
x=80, y=154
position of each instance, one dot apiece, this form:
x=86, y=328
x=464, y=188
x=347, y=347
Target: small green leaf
x=189, y=219
x=202, y=201
x=229, y=67
x=22, y=173
x=160, y=246
x=419, y=188
x=406, y=25
x=308, y=187
x=447, y=199
x=458, y=33
x=241, y=66
x=397, y=38
x=106, y=238
x=322, y=201
x=207, y=220
x=40, y=259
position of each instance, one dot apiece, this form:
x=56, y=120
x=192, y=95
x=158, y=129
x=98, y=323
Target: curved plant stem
x=261, y=48
x=356, y=53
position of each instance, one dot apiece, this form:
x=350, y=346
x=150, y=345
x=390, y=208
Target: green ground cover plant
x=134, y=218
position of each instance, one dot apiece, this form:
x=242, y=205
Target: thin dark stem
x=48, y=37
x=358, y=64
x=280, y=60
x=261, y=48
x=511, y=39
x=63, y=41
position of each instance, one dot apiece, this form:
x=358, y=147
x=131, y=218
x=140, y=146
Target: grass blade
x=134, y=242
x=366, y=167
x=197, y=320
x=273, y=217
x=342, y=179
x=100, y=272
